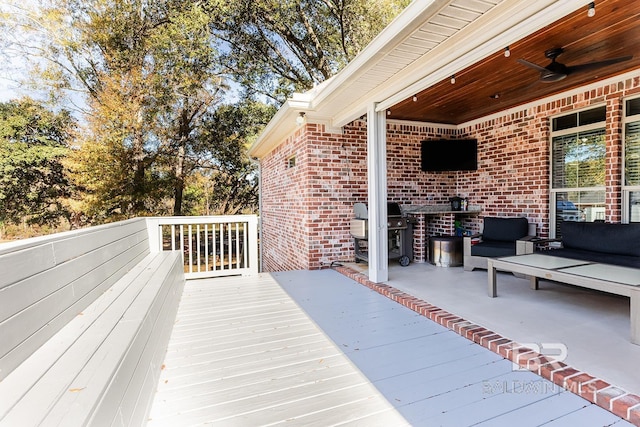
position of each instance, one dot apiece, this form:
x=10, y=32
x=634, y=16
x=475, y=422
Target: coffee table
x=603, y=277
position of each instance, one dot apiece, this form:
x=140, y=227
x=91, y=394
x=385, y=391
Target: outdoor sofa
x=600, y=256
x=606, y=243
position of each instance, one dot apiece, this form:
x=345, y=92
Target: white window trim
x=553, y=191
x=626, y=189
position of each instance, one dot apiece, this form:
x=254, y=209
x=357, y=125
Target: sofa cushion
x=504, y=229
x=493, y=249
x=619, y=239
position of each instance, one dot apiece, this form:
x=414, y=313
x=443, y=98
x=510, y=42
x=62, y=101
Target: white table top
x=543, y=261
x=612, y=273
x=607, y=272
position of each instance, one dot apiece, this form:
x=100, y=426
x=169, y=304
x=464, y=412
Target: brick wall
x=513, y=167
x=283, y=214
x=306, y=209
x=406, y=183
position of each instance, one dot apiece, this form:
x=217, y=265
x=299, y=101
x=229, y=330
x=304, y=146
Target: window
x=578, y=155
x=631, y=178
x=291, y=162
x=632, y=206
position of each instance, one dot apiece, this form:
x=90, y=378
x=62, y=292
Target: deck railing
x=211, y=246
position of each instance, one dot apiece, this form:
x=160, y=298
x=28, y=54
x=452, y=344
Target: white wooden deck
x=243, y=353
x=316, y=348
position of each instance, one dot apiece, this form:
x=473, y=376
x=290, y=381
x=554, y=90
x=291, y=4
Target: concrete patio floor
x=594, y=326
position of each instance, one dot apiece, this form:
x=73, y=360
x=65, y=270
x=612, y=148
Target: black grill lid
x=393, y=209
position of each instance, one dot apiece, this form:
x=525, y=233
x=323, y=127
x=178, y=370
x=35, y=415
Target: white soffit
x=427, y=42
x=457, y=36
x=441, y=22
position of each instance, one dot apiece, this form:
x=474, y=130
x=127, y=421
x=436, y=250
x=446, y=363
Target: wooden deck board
x=587, y=416
x=243, y=353
x=261, y=384
x=542, y=411
x=216, y=360
x=315, y=348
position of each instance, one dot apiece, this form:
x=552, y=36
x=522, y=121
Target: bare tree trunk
x=138, y=174
x=179, y=182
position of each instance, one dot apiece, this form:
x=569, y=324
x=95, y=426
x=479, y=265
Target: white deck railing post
x=211, y=246
x=155, y=235
x=252, y=239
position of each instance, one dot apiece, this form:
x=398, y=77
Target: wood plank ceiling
x=500, y=82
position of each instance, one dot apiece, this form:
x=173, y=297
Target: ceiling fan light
x=551, y=77
x=507, y=52
x=592, y=10
x=453, y=79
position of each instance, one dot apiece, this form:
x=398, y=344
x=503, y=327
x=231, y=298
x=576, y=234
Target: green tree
x=276, y=47
x=116, y=168
x=186, y=64
x=226, y=180
x=33, y=144
x=147, y=70
x=151, y=74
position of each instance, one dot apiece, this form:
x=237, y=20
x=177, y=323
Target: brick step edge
x=607, y=396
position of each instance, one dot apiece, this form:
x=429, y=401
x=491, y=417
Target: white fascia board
x=281, y=125
x=509, y=26
x=509, y=22
x=408, y=21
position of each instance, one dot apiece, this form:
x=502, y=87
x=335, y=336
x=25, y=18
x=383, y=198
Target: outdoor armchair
x=497, y=239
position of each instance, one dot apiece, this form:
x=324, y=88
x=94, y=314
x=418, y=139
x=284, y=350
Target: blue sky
x=9, y=68
x=9, y=89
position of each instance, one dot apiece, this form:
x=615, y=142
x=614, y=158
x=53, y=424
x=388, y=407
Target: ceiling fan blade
x=531, y=65
x=598, y=64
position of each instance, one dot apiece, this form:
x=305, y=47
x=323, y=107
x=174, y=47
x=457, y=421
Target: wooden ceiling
x=613, y=32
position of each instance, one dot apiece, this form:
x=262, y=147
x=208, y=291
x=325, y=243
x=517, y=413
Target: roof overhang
x=426, y=43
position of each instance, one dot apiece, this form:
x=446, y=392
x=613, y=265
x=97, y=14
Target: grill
x=400, y=231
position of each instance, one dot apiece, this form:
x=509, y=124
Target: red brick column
x=613, y=177
x=419, y=239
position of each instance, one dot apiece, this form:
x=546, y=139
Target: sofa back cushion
x=619, y=239
x=504, y=229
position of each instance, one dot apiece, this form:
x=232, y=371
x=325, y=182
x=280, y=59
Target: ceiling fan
x=556, y=71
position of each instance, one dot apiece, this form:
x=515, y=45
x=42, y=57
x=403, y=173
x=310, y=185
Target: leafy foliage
x=157, y=137
x=226, y=179
x=33, y=142
x=276, y=47
x=148, y=70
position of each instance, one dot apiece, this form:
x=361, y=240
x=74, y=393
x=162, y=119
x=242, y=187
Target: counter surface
x=439, y=209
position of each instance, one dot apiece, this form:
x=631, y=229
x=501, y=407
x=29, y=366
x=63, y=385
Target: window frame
x=291, y=161
x=627, y=189
x=574, y=130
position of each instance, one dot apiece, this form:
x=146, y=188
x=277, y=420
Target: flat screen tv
x=449, y=155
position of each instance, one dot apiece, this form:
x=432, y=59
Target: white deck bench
x=85, y=319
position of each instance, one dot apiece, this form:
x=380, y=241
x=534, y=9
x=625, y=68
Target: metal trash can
x=445, y=251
